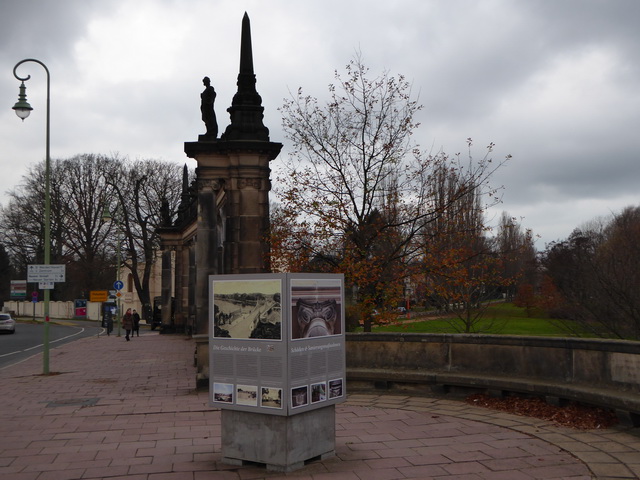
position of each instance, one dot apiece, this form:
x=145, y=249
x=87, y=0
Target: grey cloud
x=474, y=64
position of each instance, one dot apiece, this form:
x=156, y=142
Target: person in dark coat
x=109, y=324
x=127, y=323
x=136, y=324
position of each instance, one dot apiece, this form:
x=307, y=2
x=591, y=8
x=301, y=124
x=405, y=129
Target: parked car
x=7, y=324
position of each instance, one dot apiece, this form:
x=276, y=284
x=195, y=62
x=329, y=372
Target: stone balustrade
x=598, y=372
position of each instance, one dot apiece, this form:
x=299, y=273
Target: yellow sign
x=98, y=295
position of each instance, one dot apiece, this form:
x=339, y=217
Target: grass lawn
x=498, y=319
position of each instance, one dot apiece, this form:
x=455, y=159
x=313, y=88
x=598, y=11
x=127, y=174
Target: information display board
x=80, y=308
x=276, y=342
x=46, y=273
x=18, y=289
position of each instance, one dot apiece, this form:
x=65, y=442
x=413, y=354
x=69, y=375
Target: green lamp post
x=23, y=109
x=107, y=217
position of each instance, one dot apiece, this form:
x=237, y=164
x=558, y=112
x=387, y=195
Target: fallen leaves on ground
x=573, y=415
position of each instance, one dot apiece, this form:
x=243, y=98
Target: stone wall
x=601, y=372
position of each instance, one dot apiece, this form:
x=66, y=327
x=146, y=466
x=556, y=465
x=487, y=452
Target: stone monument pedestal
x=281, y=443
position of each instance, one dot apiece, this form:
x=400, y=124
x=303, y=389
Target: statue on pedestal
x=208, y=96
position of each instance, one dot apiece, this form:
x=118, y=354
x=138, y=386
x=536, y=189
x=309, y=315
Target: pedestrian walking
x=136, y=323
x=127, y=323
x=109, y=324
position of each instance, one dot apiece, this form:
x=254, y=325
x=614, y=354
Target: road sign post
x=46, y=276
x=34, y=299
x=118, y=285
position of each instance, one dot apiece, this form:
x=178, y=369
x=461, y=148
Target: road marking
x=82, y=329
x=10, y=353
x=58, y=340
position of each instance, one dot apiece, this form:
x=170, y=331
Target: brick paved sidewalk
x=115, y=409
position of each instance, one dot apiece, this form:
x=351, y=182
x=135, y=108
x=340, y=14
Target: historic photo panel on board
x=248, y=309
x=248, y=364
x=316, y=363
x=315, y=308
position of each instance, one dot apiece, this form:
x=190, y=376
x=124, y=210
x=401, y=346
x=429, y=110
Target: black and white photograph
x=271, y=397
x=223, y=392
x=248, y=309
x=318, y=392
x=316, y=309
x=335, y=388
x=247, y=395
x=300, y=396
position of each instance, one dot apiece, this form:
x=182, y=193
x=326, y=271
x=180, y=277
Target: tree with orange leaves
x=355, y=193
x=464, y=268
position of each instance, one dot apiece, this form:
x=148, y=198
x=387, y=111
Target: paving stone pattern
x=112, y=409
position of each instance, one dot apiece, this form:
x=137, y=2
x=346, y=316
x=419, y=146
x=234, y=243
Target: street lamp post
x=106, y=216
x=23, y=109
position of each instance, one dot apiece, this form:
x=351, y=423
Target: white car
x=7, y=324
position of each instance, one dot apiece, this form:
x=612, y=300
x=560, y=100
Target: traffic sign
x=18, y=289
x=118, y=285
x=98, y=295
x=45, y=273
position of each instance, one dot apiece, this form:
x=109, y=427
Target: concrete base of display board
x=281, y=443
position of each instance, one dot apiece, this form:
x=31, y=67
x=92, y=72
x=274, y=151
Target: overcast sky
x=555, y=83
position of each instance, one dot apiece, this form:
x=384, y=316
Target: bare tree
x=460, y=268
x=85, y=193
x=6, y=274
x=596, y=271
x=356, y=191
x=516, y=248
x=81, y=188
x=144, y=191
x=23, y=221
x=77, y=234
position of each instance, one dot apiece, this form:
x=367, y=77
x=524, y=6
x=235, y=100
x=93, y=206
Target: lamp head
x=106, y=215
x=22, y=107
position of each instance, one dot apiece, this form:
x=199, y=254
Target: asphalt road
x=29, y=339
